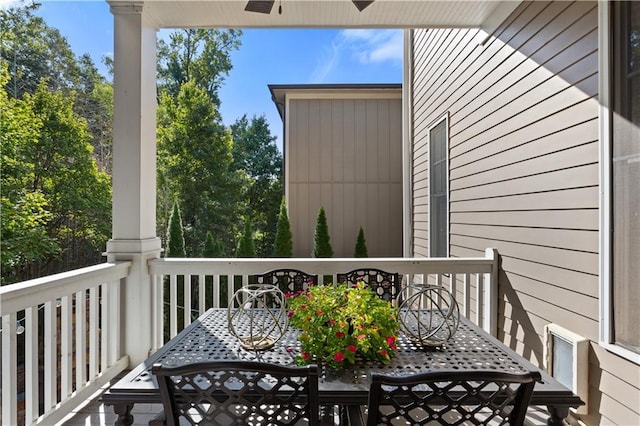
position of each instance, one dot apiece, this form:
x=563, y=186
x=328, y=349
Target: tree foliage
x=34, y=52
x=283, y=244
x=56, y=204
x=194, y=158
x=200, y=56
x=194, y=148
x=256, y=155
x=94, y=102
x=321, y=239
x=360, y=249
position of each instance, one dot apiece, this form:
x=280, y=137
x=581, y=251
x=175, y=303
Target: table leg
x=124, y=414
x=557, y=415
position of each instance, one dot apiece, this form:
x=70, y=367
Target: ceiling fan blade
x=362, y=4
x=260, y=6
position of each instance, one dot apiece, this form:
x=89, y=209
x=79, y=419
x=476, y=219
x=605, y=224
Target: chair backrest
x=385, y=284
x=287, y=280
x=232, y=392
x=451, y=398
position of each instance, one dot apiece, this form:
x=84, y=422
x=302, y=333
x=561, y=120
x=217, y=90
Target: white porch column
x=134, y=171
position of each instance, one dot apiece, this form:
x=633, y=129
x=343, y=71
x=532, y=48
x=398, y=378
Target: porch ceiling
x=324, y=13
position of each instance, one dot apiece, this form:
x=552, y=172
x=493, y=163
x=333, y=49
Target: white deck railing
x=472, y=280
x=67, y=329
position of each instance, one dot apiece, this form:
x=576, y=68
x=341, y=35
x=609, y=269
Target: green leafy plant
x=341, y=323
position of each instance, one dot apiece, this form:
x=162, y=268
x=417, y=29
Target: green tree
x=256, y=155
x=360, y=249
x=283, y=244
x=194, y=148
x=194, y=158
x=321, y=238
x=246, y=247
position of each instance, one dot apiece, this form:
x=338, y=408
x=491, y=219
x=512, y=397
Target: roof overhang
x=325, y=13
x=280, y=92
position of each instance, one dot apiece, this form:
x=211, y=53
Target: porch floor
x=94, y=413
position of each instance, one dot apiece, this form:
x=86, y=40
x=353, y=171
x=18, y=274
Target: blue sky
x=287, y=56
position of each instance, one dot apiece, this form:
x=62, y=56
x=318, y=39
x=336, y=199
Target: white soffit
x=322, y=13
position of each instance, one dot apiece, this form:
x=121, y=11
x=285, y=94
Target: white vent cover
x=566, y=358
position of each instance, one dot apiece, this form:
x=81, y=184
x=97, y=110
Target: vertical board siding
x=351, y=152
x=524, y=174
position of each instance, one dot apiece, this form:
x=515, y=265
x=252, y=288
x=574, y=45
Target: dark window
x=438, y=191
x=625, y=175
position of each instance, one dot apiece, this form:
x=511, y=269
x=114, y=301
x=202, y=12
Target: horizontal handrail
x=15, y=297
x=208, y=266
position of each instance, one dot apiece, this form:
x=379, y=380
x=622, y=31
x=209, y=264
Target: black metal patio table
x=208, y=338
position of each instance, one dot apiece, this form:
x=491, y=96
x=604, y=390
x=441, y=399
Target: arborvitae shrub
x=246, y=246
x=283, y=244
x=321, y=239
x=361, y=245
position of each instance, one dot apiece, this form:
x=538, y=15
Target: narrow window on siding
x=438, y=190
x=625, y=177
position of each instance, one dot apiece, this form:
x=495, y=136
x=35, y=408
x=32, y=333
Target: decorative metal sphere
x=260, y=318
x=428, y=314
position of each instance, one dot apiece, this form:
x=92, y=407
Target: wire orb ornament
x=260, y=319
x=428, y=315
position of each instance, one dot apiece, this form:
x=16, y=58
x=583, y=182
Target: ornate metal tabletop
x=208, y=338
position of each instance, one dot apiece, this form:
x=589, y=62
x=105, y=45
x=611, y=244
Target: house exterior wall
x=345, y=155
x=524, y=171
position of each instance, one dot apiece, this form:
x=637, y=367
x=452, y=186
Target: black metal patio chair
x=451, y=398
x=385, y=284
x=238, y=392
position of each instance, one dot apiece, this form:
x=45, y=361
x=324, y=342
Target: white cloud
x=365, y=46
x=374, y=45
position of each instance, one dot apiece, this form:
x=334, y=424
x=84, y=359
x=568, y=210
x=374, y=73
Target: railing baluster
x=9, y=369
x=186, y=313
x=173, y=305
x=104, y=326
x=216, y=291
x=229, y=287
x=81, y=338
x=453, y=285
x=466, y=285
x=31, y=380
x=202, y=296
x=158, y=311
x=66, y=348
x=50, y=358
x=114, y=318
x=479, y=299
x=93, y=333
